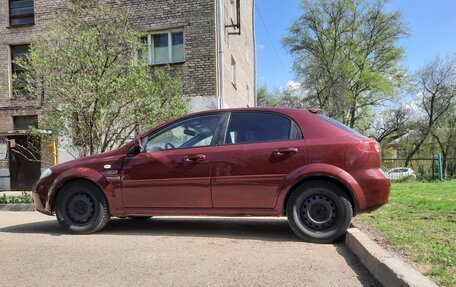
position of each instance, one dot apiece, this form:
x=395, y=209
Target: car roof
x=250, y=109
x=291, y=112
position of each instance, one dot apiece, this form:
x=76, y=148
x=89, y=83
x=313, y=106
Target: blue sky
x=432, y=24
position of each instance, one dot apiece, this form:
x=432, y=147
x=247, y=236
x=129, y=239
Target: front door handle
x=281, y=152
x=193, y=157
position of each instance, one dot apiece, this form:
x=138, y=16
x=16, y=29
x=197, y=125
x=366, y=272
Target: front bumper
x=40, y=194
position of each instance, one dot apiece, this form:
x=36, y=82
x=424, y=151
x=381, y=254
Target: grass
x=24, y=197
x=421, y=221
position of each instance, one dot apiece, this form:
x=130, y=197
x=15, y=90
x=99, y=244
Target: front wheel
x=81, y=207
x=318, y=211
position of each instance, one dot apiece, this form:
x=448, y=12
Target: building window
x=233, y=10
x=164, y=48
x=18, y=81
x=24, y=122
x=21, y=12
x=233, y=71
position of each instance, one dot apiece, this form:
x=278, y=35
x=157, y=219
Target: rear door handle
x=193, y=157
x=284, y=152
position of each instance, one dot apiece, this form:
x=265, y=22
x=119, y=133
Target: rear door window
x=250, y=127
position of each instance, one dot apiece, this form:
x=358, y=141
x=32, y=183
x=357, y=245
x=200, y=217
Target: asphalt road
x=170, y=251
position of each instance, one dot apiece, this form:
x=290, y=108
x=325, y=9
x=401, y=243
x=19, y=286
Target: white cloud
x=293, y=86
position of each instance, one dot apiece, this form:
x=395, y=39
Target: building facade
x=210, y=41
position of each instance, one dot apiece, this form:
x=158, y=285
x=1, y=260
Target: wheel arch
x=324, y=177
x=80, y=174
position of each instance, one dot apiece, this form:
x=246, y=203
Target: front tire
x=318, y=211
x=81, y=207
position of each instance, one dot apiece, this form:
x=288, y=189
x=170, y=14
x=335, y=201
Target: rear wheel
x=318, y=211
x=81, y=207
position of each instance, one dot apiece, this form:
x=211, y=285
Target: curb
x=386, y=268
x=17, y=207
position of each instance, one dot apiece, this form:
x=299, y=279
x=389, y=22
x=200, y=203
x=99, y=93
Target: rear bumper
x=375, y=186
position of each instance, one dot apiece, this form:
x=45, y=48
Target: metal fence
x=419, y=168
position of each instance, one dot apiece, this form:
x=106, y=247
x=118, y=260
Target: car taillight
x=371, y=146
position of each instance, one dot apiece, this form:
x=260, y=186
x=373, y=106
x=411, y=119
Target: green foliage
x=265, y=98
x=24, y=197
x=96, y=91
x=286, y=98
x=346, y=56
x=421, y=220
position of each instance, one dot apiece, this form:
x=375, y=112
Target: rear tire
x=318, y=211
x=81, y=207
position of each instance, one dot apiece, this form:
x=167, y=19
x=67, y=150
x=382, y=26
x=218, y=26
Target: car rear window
x=339, y=125
x=247, y=127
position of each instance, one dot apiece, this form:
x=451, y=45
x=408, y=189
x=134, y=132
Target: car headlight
x=47, y=172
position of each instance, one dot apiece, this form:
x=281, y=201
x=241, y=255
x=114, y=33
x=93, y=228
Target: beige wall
x=241, y=49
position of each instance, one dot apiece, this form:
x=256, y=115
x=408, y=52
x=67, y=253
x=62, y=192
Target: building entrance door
x=24, y=162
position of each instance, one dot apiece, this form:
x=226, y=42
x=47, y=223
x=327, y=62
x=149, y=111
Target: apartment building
x=211, y=41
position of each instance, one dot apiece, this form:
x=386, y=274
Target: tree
x=445, y=135
x=390, y=125
x=436, y=84
x=96, y=89
x=265, y=98
x=346, y=55
x=292, y=96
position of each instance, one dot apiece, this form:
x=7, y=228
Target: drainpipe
x=220, y=37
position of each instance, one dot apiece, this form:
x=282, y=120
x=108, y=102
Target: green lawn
x=421, y=221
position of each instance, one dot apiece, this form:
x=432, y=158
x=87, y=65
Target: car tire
x=319, y=212
x=81, y=207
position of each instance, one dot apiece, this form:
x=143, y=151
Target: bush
x=25, y=197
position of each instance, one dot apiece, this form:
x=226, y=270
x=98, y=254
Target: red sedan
x=233, y=162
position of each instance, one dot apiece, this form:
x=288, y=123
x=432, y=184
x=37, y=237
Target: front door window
x=194, y=132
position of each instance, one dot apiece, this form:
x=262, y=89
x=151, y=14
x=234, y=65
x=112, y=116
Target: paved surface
x=170, y=251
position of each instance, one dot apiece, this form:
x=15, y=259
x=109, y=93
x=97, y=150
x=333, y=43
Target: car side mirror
x=137, y=146
x=138, y=142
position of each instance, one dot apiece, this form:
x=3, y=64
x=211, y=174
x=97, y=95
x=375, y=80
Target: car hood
x=113, y=157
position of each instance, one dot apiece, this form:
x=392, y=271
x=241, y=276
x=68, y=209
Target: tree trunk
x=417, y=147
x=444, y=165
x=352, y=116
